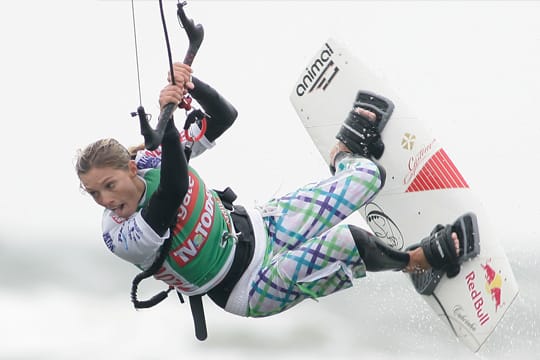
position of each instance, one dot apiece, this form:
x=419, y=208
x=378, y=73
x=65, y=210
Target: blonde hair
x=100, y=154
x=134, y=149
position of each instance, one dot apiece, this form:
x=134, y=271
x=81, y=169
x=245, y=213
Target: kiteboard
x=423, y=188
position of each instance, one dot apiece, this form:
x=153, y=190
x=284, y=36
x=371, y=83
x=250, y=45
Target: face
x=118, y=190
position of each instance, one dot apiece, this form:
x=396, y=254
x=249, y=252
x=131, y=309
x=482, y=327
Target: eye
x=110, y=185
x=93, y=194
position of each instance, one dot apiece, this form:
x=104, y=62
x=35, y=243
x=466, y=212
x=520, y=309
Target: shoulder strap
x=227, y=197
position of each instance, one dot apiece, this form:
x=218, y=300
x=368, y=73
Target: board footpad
x=466, y=226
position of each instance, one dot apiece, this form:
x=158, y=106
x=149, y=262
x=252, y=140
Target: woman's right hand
x=182, y=75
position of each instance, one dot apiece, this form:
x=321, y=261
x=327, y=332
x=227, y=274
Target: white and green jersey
x=202, y=247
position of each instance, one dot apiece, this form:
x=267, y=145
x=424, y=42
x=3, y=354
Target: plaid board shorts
x=309, y=253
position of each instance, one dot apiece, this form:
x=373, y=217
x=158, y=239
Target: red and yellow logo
x=494, y=284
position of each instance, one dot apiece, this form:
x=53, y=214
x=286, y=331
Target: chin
x=129, y=212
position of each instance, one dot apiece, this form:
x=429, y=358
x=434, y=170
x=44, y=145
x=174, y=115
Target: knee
x=382, y=174
x=362, y=168
x=340, y=237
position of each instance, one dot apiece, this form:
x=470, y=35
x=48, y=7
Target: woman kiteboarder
x=252, y=262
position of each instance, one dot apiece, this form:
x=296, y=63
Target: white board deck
x=423, y=188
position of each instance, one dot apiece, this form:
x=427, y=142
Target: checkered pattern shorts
x=309, y=253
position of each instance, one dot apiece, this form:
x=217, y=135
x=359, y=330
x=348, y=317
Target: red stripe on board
x=438, y=173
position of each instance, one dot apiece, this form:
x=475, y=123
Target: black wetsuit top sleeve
x=161, y=210
x=221, y=112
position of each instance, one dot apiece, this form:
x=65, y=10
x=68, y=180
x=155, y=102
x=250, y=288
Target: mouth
x=118, y=210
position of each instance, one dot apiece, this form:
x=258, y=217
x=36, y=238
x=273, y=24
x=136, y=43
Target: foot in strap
x=356, y=135
x=449, y=246
x=466, y=230
x=361, y=131
x=442, y=250
x=379, y=105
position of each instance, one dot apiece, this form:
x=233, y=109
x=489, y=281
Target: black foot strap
x=466, y=228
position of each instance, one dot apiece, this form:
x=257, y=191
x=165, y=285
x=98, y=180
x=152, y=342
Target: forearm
x=161, y=211
x=222, y=113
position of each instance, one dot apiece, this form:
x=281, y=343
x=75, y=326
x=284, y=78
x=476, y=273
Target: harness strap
x=197, y=311
x=242, y=256
x=227, y=197
x=163, y=253
x=245, y=248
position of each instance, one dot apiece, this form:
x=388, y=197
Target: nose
x=107, y=200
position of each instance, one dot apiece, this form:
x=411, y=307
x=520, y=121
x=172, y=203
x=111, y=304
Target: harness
x=245, y=247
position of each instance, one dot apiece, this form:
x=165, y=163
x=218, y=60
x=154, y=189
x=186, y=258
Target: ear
x=132, y=168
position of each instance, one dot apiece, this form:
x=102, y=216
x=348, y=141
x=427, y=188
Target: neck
x=140, y=185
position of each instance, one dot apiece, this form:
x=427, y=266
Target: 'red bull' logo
x=494, y=283
x=477, y=299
